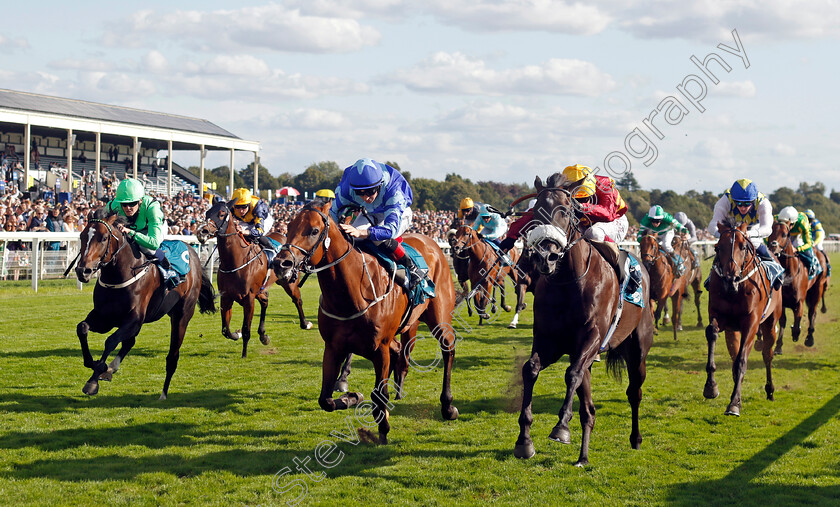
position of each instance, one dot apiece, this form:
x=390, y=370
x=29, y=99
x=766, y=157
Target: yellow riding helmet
x=241, y=196
x=581, y=172
x=325, y=193
x=467, y=203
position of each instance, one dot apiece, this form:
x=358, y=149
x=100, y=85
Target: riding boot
x=414, y=274
x=171, y=278
x=676, y=262
x=268, y=247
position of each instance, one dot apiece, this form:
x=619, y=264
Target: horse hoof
x=679, y=328
x=233, y=336
x=732, y=410
x=524, y=451
x=777, y=352
x=699, y=323
x=341, y=387
x=162, y=397
x=349, y=400
x=758, y=345
x=107, y=375
x=451, y=414
x=710, y=392
x=794, y=337
x=507, y=308
x=809, y=341
x=561, y=435
x=306, y=325
x=511, y=326
x=91, y=388
x=265, y=340
x=582, y=463
x=383, y=439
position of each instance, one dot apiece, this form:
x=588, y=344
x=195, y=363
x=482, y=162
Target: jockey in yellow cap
x=254, y=215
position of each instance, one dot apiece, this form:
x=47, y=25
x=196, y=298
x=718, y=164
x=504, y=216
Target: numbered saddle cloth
x=421, y=291
x=178, y=255
x=633, y=291
x=271, y=254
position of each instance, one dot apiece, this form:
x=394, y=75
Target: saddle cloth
x=178, y=255
x=423, y=290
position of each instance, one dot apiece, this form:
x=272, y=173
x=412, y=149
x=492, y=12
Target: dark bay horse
x=128, y=294
x=576, y=300
x=526, y=279
x=244, y=275
x=362, y=310
x=741, y=300
x=797, y=289
x=693, y=275
x=485, y=269
x=664, y=282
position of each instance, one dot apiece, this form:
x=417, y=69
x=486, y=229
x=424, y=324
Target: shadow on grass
x=212, y=399
x=67, y=352
x=740, y=484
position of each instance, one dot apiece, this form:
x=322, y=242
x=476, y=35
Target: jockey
x=800, y=237
x=385, y=198
x=601, y=204
x=692, y=234
x=516, y=228
x=817, y=236
x=254, y=216
x=466, y=208
x=744, y=203
x=145, y=223
x=326, y=194
x=663, y=224
x=485, y=219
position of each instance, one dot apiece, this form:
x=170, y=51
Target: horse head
x=555, y=216
x=648, y=250
x=308, y=238
x=735, y=255
x=101, y=240
x=463, y=239
x=779, y=239
x=217, y=222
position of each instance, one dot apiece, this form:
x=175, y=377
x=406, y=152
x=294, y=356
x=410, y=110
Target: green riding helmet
x=130, y=190
x=656, y=213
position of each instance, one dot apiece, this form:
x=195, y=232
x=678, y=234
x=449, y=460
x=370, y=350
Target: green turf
x=230, y=425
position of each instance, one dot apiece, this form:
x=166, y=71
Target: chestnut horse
x=486, y=270
x=129, y=293
x=244, y=275
x=664, y=283
x=741, y=300
x=576, y=301
x=693, y=275
x=362, y=310
x=797, y=289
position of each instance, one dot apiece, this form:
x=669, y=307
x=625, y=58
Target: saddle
x=619, y=259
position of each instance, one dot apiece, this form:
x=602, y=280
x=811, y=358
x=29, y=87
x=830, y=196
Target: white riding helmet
x=681, y=217
x=788, y=214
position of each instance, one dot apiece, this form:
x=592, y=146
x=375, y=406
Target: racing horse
x=130, y=293
x=664, y=282
x=361, y=310
x=576, y=301
x=460, y=262
x=797, y=289
x=741, y=300
x=244, y=275
x=486, y=271
x=693, y=274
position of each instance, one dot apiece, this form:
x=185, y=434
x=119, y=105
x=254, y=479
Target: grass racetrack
x=232, y=427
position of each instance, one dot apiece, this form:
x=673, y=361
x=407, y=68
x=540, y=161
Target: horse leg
x=262, y=299
x=697, y=292
x=226, y=305
x=247, y=317
x=739, y=350
x=656, y=315
x=710, y=390
x=466, y=289
x=178, y=321
x=530, y=372
x=587, y=416
x=382, y=366
x=574, y=376
x=813, y=299
x=329, y=371
x=114, y=365
x=400, y=355
x=93, y=322
x=675, y=320
x=793, y=332
x=341, y=383
x=636, y=372
x=445, y=334
x=294, y=293
x=128, y=331
x=769, y=332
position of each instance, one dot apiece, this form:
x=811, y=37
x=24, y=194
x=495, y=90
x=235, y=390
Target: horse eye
x=314, y=232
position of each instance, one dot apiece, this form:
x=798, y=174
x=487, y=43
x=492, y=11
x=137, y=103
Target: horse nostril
x=286, y=264
x=552, y=257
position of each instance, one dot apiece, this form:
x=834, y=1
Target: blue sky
x=500, y=90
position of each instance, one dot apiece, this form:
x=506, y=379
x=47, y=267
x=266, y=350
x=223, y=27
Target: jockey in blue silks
x=385, y=196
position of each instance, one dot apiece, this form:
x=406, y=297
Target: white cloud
x=155, y=63
x=460, y=74
x=270, y=27
x=740, y=89
x=8, y=44
x=784, y=150
x=89, y=65
x=311, y=119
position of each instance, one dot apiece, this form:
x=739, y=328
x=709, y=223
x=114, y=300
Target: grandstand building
x=120, y=139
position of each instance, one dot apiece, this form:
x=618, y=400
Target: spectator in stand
x=54, y=224
x=82, y=157
x=38, y=221
x=155, y=168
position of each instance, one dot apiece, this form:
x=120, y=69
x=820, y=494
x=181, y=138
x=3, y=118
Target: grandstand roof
x=33, y=102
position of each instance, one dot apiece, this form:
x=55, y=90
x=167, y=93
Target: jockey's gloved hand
x=480, y=236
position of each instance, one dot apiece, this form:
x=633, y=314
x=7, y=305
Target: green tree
x=628, y=182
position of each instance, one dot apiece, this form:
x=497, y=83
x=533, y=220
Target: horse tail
x=206, y=295
x=615, y=363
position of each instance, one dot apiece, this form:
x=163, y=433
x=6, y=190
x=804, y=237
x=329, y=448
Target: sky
x=491, y=90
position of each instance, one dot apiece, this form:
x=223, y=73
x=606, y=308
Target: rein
x=122, y=244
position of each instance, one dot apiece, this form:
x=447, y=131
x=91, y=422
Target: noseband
x=111, y=236
x=736, y=279
x=305, y=263
x=543, y=234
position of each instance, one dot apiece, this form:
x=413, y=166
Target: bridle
x=223, y=226
x=572, y=226
x=736, y=278
x=782, y=248
x=305, y=263
x=648, y=258
x=471, y=240
x=111, y=236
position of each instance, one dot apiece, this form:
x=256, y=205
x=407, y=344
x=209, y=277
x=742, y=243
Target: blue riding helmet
x=743, y=190
x=365, y=173
x=810, y=214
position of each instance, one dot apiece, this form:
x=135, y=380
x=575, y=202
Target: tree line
x=433, y=195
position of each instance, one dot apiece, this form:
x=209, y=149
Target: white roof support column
x=230, y=187
x=27, y=148
x=169, y=168
x=257, y=173
x=201, y=172
x=70, y=139
x=98, y=177
x=134, y=158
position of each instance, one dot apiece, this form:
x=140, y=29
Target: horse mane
x=104, y=213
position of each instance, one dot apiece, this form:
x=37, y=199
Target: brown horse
x=486, y=270
x=244, y=275
x=576, y=302
x=526, y=280
x=693, y=275
x=741, y=300
x=460, y=262
x=664, y=283
x=797, y=289
x=128, y=294
x=362, y=310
